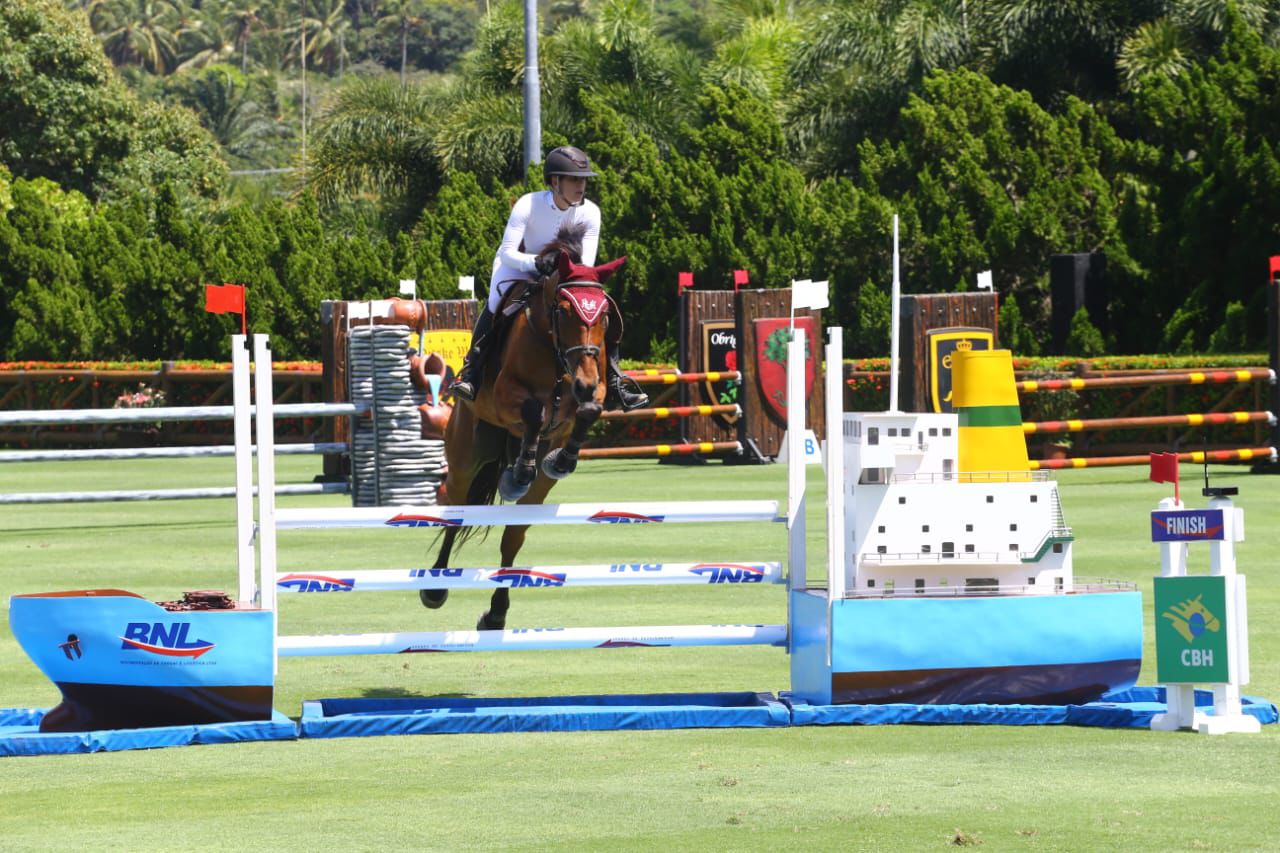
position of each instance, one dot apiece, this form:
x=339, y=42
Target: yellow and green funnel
x=986, y=399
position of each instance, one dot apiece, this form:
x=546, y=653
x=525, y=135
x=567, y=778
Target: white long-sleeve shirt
x=534, y=222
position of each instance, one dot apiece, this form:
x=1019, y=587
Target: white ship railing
x=1076, y=587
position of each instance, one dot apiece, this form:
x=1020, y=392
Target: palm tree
x=206, y=40
x=1156, y=49
x=399, y=18
x=326, y=27
x=243, y=16
x=140, y=32
x=377, y=136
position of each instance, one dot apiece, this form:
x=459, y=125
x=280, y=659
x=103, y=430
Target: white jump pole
x=266, y=435
x=533, y=639
x=243, y=431
x=572, y=513
x=797, y=564
x=895, y=310
x=519, y=577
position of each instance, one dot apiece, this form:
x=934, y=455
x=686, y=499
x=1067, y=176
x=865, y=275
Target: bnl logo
x=526, y=578
x=161, y=638
x=435, y=573
x=409, y=520
x=316, y=583
x=1192, y=619
x=729, y=573
x=607, y=517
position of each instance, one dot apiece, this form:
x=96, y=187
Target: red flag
x=739, y=278
x=685, y=280
x=225, y=299
x=1164, y=469
x=1275, y=267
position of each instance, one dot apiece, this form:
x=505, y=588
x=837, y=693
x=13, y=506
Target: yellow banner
x=452, y=344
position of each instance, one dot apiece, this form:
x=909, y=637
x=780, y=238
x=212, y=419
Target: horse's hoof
x=490, y=623
x=555, y=468
x=509, y=488
x=433, y=598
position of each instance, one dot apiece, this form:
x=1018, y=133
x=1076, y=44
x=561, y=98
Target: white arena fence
x=161, y=415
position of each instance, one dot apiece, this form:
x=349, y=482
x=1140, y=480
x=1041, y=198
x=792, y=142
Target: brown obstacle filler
x=924, y=312
x=707, y=320
x=438, y=315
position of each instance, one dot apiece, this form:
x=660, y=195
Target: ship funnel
x=986, y=399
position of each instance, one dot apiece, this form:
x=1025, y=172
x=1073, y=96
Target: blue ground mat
x=365, y=717
x=20, y=735
x=1123, y=709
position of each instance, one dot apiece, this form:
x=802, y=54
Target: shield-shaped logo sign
x=943, y=344
x=720, y=354
x=772, y=336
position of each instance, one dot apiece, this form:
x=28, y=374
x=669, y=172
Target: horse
x=547, y=391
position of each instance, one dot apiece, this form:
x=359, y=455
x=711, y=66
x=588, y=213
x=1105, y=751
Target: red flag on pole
x=685, y=280
x=740, y=278
x=226, y=299
x=1164, y=469
x=1275, y=267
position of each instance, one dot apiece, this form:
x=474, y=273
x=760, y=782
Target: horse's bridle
x=563, y=354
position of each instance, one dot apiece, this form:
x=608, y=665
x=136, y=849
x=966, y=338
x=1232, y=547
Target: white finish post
x=895, y=309
x=1227, y=713
x=265, y=397
x=246, y=566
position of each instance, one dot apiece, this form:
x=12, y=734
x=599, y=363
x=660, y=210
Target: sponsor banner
x=452, y=344
x=1187, y=525
x=942, y=345
x=111, y=637
x=720, y=354
x=1192, y=630
x=772, y=336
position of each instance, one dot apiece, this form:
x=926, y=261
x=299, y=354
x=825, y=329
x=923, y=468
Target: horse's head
x=578, y=310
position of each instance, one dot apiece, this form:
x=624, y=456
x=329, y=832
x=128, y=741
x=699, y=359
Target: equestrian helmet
x=567, y=160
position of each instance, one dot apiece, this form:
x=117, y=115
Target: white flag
x=984, y=280
x=809, y=294
x=409, y=288
x=467, y=283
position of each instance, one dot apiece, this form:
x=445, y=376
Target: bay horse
x=547, y=390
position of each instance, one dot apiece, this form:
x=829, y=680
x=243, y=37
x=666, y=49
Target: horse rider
x=535, y=221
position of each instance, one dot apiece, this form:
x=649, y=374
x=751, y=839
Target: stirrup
x=463, y=389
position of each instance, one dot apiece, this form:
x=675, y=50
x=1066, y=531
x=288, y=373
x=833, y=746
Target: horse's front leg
x=515, y=481
x=513, y=536
x=562, y=461
x=434, y=598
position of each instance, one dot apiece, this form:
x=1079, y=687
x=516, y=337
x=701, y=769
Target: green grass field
x=887, y=788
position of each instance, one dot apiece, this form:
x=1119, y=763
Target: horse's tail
x=483, y=491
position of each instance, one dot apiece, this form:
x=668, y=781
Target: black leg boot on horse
x=471, y=376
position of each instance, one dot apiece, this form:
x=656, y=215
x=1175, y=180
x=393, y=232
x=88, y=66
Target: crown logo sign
x=965, y=345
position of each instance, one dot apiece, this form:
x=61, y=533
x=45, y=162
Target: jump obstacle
x=1192, y=377
x=818, y=615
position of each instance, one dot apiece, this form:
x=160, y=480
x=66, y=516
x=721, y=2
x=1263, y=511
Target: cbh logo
x=163, y=638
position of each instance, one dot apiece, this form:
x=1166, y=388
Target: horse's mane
x=569, y=238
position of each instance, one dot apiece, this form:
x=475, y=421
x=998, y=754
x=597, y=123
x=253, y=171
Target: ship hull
x=122, y=662
x=1015, y=649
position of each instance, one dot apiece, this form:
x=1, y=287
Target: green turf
x=1052, y=788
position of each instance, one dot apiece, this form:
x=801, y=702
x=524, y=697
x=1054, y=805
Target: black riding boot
x=471, y=376
x=620, y=396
